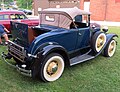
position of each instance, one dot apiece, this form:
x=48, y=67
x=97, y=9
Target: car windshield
x=17, y=16
x=82, y=19
x=4, y=17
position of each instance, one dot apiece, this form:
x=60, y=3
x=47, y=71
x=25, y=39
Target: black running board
x=81, y=58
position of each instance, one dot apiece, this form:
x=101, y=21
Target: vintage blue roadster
x=64, y=37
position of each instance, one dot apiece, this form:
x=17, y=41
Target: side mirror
x=105, y=29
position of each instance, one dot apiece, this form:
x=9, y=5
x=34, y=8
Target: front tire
x=98, y=41
x=52, y=67
x=110, y=48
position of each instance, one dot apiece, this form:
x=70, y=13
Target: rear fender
x=45, y=50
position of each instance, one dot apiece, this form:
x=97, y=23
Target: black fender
x=110, y=37
x=45, y=50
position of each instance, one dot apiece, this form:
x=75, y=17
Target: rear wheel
x=52, y=67
x=110, y=49
x=98, y=41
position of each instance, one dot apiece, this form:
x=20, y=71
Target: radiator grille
x=16, y=51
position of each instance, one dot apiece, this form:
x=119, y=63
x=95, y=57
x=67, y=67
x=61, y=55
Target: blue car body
x=69, y=39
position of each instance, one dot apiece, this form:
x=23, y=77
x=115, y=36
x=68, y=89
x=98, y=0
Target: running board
x=81, y=58
x=87, y=56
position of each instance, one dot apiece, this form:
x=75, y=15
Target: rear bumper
x=19, y=68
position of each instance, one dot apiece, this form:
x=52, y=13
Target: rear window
x=4, y=17
x=50, y=18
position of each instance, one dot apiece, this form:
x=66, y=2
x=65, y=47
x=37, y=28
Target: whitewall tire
x=52, y=68
x=110, y=48
x=98, y=41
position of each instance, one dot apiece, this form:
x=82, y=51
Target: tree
x=6, y=1
x=27, y=4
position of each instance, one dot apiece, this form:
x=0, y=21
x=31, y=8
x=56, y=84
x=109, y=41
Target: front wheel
x=110, y=48
x=52, y=67
x=98, y=41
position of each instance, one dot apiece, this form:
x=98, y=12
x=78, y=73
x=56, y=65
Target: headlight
x=105, y=28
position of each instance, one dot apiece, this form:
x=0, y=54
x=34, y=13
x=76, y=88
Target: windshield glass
x=17, y=16
x=82, y=19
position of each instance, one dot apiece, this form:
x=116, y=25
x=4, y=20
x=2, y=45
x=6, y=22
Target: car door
x=68, y=39
x=64, y=37
x=83, y=37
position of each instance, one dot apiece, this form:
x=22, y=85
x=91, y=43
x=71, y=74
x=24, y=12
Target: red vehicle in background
x=14, y=15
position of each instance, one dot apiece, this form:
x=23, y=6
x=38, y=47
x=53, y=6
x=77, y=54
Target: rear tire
x=98, y=41
x=110, y=48
x=52, y=67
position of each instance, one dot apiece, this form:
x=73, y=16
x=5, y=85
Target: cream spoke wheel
x=100, y=41
x=53, y=67
x=112, y=48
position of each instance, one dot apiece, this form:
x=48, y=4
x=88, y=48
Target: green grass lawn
x=98, y=75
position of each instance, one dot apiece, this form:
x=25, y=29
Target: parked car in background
x=14, y=15
x=26, y=11
x=63, y=38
